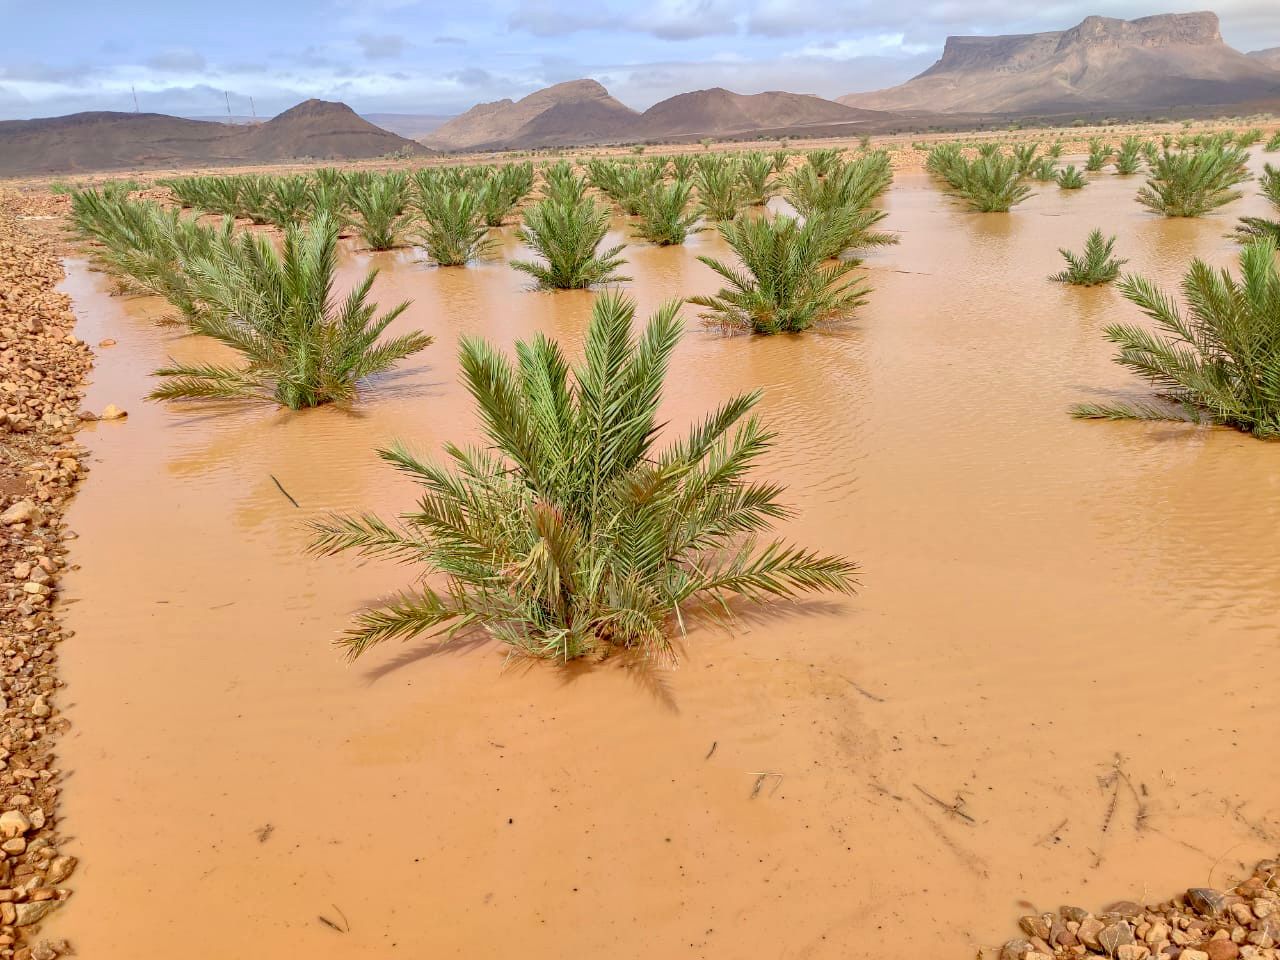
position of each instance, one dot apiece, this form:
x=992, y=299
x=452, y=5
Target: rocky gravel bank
x=1239, y=923
x=42, y=365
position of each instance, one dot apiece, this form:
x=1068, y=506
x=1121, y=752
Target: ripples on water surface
x=1041, y=597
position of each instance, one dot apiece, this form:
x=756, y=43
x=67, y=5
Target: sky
x=432, y=57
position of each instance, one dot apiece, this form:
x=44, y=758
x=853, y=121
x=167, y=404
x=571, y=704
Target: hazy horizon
x=426, y=58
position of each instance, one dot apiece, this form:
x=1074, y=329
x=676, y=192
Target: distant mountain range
x=415, y=126
x=1172, y=63
x=1269, y=57
x=1100, y=66
x=315, y=129
x=582, y=111
x=1155, y=63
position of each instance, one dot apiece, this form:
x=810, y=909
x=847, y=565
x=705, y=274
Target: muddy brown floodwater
x=1043, y=599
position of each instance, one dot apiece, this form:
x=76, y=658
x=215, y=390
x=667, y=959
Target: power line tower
x=134, y=91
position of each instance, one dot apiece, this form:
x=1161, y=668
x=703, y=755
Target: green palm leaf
x=570, y=532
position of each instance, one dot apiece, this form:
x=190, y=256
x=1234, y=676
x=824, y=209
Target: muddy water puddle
x=1057, y=618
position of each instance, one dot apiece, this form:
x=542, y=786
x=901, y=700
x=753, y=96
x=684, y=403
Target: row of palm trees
x=569, y=531
x=1180, y=183
x=197, y=265
x=300, y=346
x=1220, y=362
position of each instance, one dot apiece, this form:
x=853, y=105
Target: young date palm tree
x=682, y=165
x=635, y=181
x=1221, y=362
x=823, y=161
x=784, y=284
x=1069, y=178
x=1253, y=228
x=945, y=161
x=289, y=201
x=253, y=195
x=144, y=245
x=570, y=532
x=665, y=217
x=989, y=184
x=502, y=189
x=1099, y=154
x=379, y=204
x=853, y=185
x=1129, y=156
x=1194, y=182
x=567, y=234
x=1096, y=265
x=1044, y=170
x=562, y=183
x=453, y=230
x=1026, y=155
x=719, y=192
x=755, y=173
x=278, y=311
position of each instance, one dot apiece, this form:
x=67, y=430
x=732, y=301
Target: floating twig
x=864, y=691
x=329, y=923
x=885, y=791
x=714, y=744
x=263, y=833
x=952, y=808
x=1051, y=834
x=760, y=779
x=281, y=488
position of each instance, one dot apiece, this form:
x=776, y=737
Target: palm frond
x=570, y=532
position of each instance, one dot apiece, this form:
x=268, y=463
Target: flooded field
x=1066, y=632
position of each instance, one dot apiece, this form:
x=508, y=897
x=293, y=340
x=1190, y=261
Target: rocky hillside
x=1269, y=57
x=1154, y=63
x=583, y=112
x=83, y=142
x=720, y=112
x=577, y=109
x=323, y=130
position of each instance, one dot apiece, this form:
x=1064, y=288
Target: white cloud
x=438, y=56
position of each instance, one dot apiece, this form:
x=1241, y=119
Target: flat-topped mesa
x=1162, y=30
x=1169, y=61
x=1021, y=51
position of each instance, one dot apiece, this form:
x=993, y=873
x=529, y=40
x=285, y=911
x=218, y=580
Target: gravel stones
x=1242, y=923
x=42, y=366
